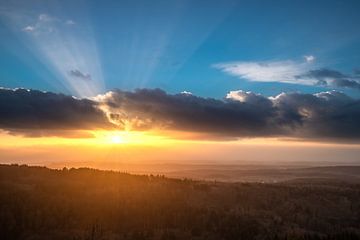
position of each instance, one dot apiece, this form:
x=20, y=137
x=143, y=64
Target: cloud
x=186, y=93
x=80, y=75
x=309, y=58
x=291, y=72
x=25, y=111
x=323, y=116
x=326, y=115
x=46, y=18
x=328, y=77
x=271, y=71
x=43, y=24
x=46, y=24
x=146, y=109
x=243, y=96
x=29, y=29
x=70, y=22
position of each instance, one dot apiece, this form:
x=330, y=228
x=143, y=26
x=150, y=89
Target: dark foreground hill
x=39, y=203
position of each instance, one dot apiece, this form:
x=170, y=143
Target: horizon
x=225, y=82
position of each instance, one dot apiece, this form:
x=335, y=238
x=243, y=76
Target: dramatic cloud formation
x=291, y=72
x=322, y=116
x=144, y=109
x=242, y=114
x=29, y=110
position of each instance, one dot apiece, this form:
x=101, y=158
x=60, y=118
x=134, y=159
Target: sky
x=234, y=75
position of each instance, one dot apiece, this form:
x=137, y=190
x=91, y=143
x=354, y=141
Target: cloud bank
x=324, y=116
x=23, y=110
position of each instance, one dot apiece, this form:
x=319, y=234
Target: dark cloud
x=328, y=77
x=325, y=116
x=148, y=108
x=78, y=74
x=24, y=110
x=242, y=114
x=37, y=132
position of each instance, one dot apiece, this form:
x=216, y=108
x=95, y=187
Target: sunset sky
x=110, y=82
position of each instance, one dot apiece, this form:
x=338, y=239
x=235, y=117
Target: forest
x=39, y=203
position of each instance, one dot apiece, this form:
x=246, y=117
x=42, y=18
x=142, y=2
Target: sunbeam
x=67, y=48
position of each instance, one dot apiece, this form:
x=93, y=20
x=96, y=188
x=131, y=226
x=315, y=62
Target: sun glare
x=127, y=137
x=116, y=139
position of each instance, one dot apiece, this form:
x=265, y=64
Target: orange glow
x=111, y=148
x=92, y=138
x=129, y=138
x=154, y=138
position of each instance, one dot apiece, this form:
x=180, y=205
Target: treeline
x=39, y=203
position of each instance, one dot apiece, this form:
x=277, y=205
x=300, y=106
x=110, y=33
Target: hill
x=41, y=203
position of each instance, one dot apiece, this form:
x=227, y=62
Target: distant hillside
x=270, y=174
x=38, y=203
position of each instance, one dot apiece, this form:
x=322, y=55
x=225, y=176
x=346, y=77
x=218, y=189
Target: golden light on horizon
x=150, y=138
x=101, y=147
x=87, y=138
x=128, y=138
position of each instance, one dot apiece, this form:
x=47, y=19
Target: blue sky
x=205, y=47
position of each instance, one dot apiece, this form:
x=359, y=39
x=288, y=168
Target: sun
x=128, y=138
x=117, y=139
